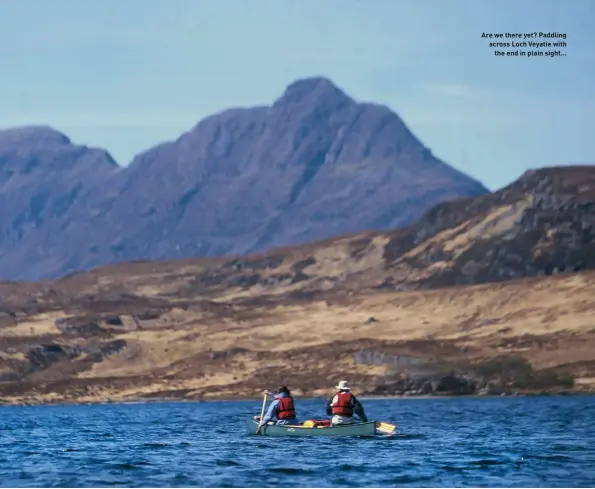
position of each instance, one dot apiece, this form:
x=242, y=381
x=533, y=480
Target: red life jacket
x=286, y=408
x=343, y=405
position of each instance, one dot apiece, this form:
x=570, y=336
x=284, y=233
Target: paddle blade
x=385, y=428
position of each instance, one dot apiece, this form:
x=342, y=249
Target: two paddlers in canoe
x=341, y=406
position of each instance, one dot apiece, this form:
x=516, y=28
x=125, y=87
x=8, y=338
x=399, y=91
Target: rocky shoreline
x=445, y=387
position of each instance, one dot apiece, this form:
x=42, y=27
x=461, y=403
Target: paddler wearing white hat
x=343, y=405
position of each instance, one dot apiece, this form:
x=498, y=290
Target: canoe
x=370, y=428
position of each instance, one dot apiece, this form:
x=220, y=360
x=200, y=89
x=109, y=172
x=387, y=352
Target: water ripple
x=510, y=442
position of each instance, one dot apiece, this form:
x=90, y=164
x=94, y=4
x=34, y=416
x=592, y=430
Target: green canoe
x=359, y=429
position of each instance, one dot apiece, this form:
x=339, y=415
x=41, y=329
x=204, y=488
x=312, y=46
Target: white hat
x=343, y=386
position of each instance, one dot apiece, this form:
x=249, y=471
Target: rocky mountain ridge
x=312, y=165
x=541, y=224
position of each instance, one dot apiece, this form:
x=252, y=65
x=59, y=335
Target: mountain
x=312, y=165
x=485, y=295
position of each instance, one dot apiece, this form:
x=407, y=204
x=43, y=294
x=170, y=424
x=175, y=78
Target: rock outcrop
x=42, y=356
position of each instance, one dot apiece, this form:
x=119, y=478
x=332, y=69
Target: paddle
x=264, y=403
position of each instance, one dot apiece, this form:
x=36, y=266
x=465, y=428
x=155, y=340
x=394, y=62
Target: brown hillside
x=467, y=300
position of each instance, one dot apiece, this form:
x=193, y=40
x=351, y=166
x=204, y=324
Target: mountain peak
x=312, y=90
x=27, y=135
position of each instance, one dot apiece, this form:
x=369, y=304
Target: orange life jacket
x=343, y=405
x=286, y=408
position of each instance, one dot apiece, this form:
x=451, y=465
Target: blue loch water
x=512, y=442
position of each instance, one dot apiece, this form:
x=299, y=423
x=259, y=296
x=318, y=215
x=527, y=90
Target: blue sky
x=128, y=74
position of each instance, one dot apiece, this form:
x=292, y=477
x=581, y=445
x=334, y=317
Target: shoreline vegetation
x=508, y=376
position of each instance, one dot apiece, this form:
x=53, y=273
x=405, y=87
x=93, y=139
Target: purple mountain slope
x=314, y=164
